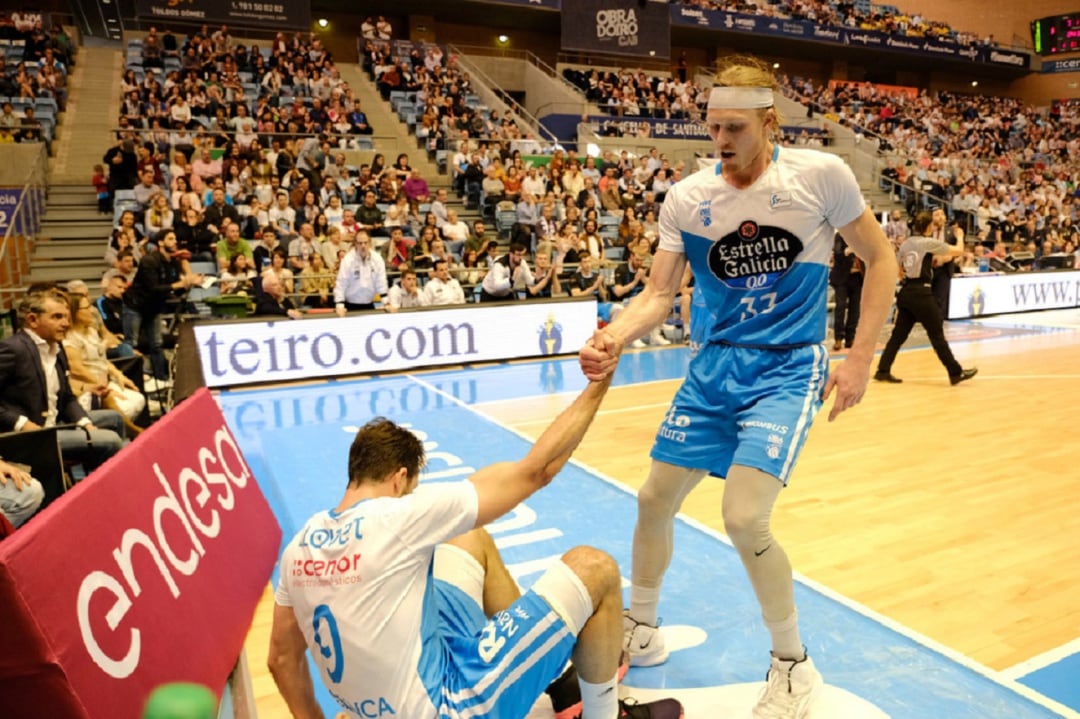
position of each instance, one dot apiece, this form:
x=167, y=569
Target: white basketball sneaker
x=790, y=688
x=657, y=339
x=643, y=642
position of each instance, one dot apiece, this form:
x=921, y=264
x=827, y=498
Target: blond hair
x=745, y=71
x=750, y=71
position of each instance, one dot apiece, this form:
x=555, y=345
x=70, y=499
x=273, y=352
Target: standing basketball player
x=757, y=231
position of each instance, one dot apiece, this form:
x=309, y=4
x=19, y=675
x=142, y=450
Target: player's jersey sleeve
x=281, y=594
x=842, y=200
x=435, y=513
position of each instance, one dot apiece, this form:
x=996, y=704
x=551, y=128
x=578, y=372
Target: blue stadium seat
x=504, y=220
x=205, y=268
x=42, y=104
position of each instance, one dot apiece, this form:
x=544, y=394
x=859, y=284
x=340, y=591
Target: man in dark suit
x=271, y=300
x=34, y=389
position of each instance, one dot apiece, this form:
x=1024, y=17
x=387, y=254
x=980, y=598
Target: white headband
x=740, y=98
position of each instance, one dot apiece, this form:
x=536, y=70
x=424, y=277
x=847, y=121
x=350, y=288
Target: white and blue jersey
x=391, y=639
x=760, y=257
x=761, y=254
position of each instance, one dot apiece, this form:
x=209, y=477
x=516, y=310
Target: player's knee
x=656, y=499
x=746, y=526
x=598, y=570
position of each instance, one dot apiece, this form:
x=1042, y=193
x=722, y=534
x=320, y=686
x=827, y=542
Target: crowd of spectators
x=441, y=104
x=853, y=15
x=218, y=139
x=636, y=93
x=34, y=65
x=1008, y=170
x=556, y=212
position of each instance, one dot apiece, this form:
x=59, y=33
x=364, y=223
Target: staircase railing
x=491, y=95
x=21, y=209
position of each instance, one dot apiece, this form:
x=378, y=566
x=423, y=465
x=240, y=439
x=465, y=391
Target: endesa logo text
x=198, y=500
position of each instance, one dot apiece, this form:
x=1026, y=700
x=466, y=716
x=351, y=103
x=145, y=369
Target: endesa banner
x=245, y=352
x=976, y=295
x=276, y=14
x=806, y=30
x=147, y=572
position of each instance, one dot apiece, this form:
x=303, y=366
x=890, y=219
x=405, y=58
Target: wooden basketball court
x=949, y=510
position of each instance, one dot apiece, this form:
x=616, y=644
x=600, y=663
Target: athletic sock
x=599, y=701
x=787, y=644
x=643, y=604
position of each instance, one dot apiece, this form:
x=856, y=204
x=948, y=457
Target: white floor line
x=1043, y=660
x=574, y=393
x=931, y=644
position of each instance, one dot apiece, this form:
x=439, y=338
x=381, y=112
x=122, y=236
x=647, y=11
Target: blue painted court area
x=297, y=440
x=1059, y=680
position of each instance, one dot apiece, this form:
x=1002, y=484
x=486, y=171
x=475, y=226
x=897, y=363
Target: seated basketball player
x=408, y=610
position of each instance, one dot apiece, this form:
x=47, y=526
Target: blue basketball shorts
x=498, y=667
x=751, y=407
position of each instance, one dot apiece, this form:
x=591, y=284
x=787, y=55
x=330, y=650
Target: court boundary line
x=931, y=644
x=1041, y=661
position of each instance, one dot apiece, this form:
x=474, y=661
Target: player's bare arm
x=288, y=665
x=600, y=355
x=501, y=487
x=850, y=378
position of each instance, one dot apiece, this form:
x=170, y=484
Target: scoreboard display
x=1056, y=35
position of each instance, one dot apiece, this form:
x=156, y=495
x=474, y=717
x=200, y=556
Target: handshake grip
x=600, y=356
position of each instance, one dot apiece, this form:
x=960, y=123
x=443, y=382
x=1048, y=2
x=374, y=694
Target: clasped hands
x=600, y=355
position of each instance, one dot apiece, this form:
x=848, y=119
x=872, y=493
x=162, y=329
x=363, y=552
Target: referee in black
x=915, y=301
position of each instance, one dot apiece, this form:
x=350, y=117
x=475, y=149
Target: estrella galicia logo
x=753, y=256
x=550, y=335
x=705, y=212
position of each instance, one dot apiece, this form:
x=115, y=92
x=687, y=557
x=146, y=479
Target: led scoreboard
x=1057, y=34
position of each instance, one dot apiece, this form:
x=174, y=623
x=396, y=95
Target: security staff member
x=915, y=301
x=361, y=277
x=846, y=278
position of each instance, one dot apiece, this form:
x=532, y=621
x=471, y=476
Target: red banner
x=147, y=572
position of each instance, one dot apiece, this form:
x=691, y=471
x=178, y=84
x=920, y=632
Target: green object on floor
x=181, y=700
